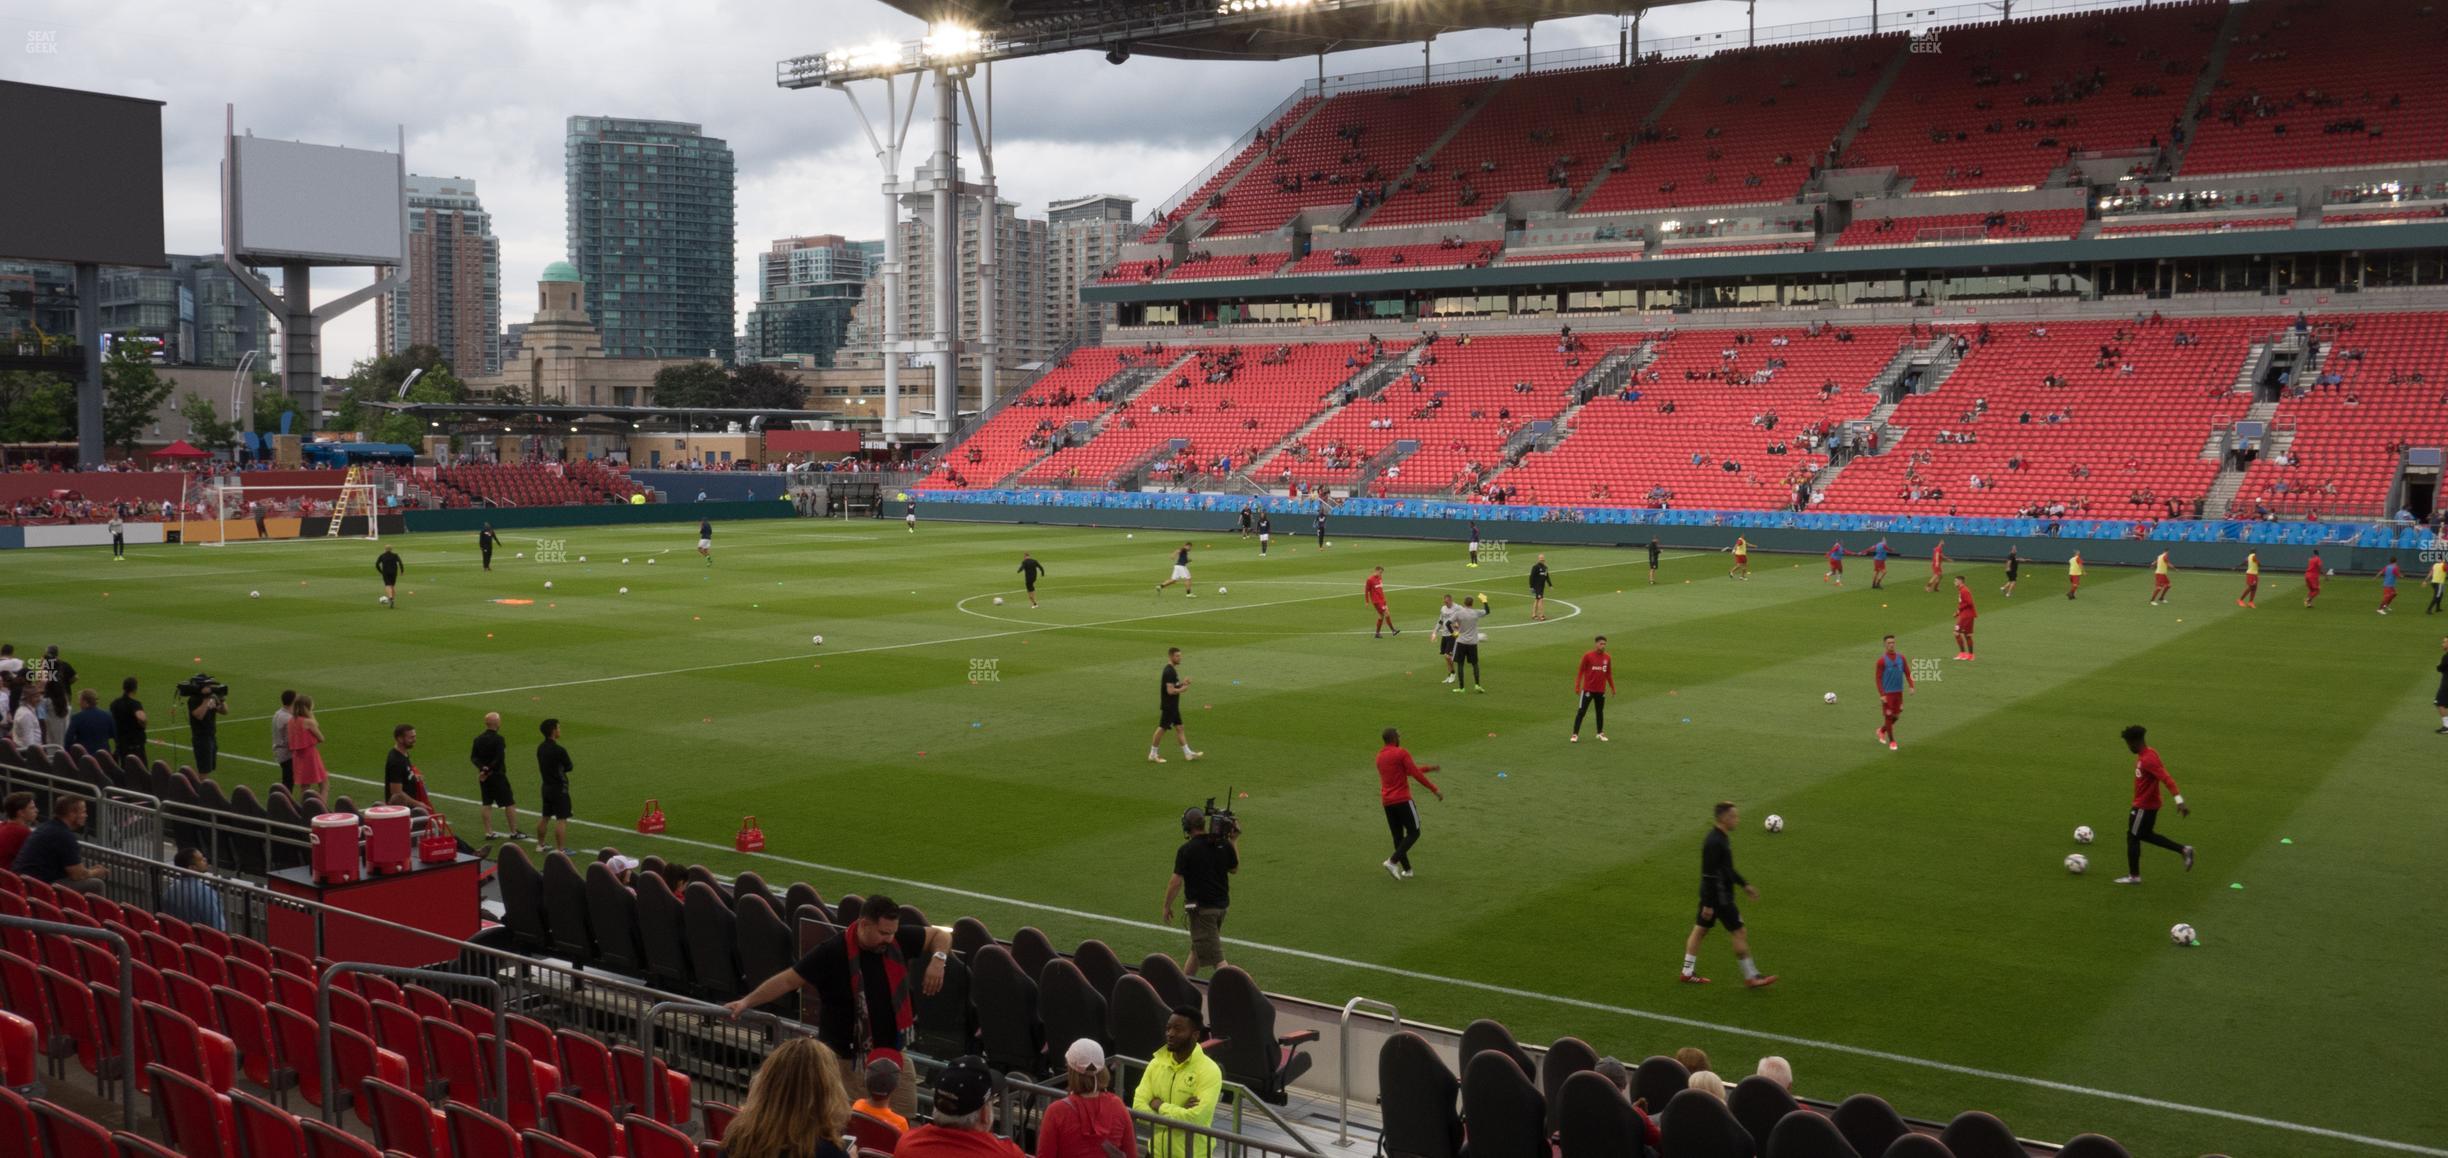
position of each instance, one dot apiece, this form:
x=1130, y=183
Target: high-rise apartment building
x=1084, y=237
x=1021, y=318
x=651, y=208
x=197, y=313
x=452, y=296
x=807, y=290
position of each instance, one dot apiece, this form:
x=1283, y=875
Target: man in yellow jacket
x=1181, y=1083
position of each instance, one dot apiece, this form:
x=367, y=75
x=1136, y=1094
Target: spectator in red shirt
x=2142, y=822
x=1597, y=678
x=964, y=1117
x=17, y=817
x=1091, y=1119
x=1395, y=772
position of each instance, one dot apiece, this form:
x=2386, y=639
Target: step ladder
x=352, y=494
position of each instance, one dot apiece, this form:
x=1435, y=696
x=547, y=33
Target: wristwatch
x=940, y=955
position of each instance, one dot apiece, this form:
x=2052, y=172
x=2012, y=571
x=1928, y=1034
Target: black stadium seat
x=565, y=909
x=1758, y=1103
x=1007, y=1013
x=713, y=942
x=1096, y=960
x=1869, y=1123
x=1595, y=1120
x=1803, y=1134
x=1568, y=1056
x=1417, y=1098
x=1135, y=1018
x=800, y=895
x=1657, y=1081
x=1974, y=1134
x=1171, y=984
x=1251, y=1053
x=1030, y=948
x=2091, y=1146
x=751, y=883
x=612, y=913
x=1918, y=1146
x=1071, y=1007
x=661, y=935
x=764, y=941
x=522, y=891
x=1507, y=1116
x=947, y=1019
x=970, y=935
x=1697, y=1125
x=1486, y=1034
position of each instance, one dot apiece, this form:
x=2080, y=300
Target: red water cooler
x=336, y=848
x=388, y=847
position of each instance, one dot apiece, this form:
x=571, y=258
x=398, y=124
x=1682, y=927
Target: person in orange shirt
x=883, y=1078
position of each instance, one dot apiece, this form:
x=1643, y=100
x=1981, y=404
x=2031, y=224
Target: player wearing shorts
x=1742, y=559
x=1654, y=555
x=1030, y=569
x=2312, y=578
x=2252, y=579
x=2159, y=579
x=2142, y=823
x=909, y=518
x=1245, y=520
x=490, y=754
x=2074, y=570
x=1395, y=772
x=1474, y=545
x=1938, y=559
x=1540, y=580
x=1374, y=592
x=2439, y=581
x=1321, y=527
x=1718, y=880
x=1893, y=676
x=2014, y=567
x=1169, y=688
x=1266, y=532
x=1835, y=571
x=1595, y=679
x=553, y=764
x=389, y=565
x=1445, y=630
x=1466, y=643
x=2388, y=584
x=1965, y=613
x=705, y=540
x=1878, y=565
x=1181, y=573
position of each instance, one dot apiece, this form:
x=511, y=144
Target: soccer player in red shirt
x=1596, y=679
x=2159, y=578
x=2312, y=578
x=1937, y=566
x=1965, y=613
x=1395, y=772
x=2142, y=822
x=1374, y=590
x=1893, y=676
x=1835, y=571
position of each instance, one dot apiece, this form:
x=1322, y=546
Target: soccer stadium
x=1957, y=380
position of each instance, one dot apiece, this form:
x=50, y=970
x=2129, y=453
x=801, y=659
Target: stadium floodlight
x=873, y=57
x=947, y=43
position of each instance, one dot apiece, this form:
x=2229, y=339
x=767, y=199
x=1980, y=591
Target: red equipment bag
x=651, y=820
x=438, y=845
x=751, y=838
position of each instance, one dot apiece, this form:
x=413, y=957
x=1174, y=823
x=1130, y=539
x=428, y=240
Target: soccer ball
x=650, y=562
x=522, y=554
x=1830, y=697
x=254, y=594
x=1129, y=536
x=1330, y=542
x=998, y=601
x=1774, y=823
x=624, y=560
x=818, y=640
x=1223, y=590
x=548, y=585
x=624, y=591
x=582, y=558
x=2082, y=834
x=2182, y=934
x=2076, y=863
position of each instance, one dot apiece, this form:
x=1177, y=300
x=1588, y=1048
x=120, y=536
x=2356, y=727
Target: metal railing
x=1231, y=1142
x=495, y=1105
x=1343, y=1057
x=1224, y=158
x=648, y=1035
x=127, y=1005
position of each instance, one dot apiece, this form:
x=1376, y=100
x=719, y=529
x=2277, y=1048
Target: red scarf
x=896, y=976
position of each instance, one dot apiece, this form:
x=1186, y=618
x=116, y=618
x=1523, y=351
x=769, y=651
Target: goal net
x=221, y=512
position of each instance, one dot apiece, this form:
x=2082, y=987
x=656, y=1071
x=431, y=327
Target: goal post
x=220, y=512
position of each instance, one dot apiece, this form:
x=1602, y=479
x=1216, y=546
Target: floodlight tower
x=950, y=53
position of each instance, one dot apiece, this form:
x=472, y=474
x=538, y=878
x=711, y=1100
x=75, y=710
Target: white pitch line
x=1506, y=990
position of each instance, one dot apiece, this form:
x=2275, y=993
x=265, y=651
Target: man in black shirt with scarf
x=867, y=961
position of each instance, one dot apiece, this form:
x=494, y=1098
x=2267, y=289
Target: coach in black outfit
x=490, y=755
x=485, y=539
x=554, y=765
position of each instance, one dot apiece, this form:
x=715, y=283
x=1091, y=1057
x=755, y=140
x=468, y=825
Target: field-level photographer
x=207, y=700
x=1202, y=876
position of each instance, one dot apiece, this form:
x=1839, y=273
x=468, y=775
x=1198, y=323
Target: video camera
x=1221, y=823
x=200, y=686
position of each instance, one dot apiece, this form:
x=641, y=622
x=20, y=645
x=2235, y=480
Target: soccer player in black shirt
x=1030, y=569
x=2014, y=567
x=490, y=754
x=1181, y=572
x=1245, y=520
x=705, y=540
x=553, y=764
x=1321, y=526
x=1169, y=688
x=1653, y=559
x=1540, y=581
x=388, y=565
x=485, y=538
x=1718, y=880
x=1266, y=532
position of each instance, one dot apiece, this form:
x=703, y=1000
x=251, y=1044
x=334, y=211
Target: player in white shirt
x=1445, y=631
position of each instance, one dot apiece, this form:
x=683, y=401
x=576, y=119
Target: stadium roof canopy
x=1267, y=30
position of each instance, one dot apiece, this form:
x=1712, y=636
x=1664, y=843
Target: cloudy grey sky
x=483, y=89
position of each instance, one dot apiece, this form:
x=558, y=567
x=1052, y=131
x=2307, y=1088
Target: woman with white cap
x=1091, y=1119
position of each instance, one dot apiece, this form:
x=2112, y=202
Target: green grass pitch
x=971, y=758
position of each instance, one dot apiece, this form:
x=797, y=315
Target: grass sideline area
x=991, y=760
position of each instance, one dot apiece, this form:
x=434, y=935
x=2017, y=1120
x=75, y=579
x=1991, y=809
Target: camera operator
x=206, y=700
x=1202, y=877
